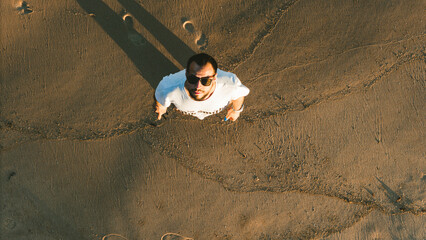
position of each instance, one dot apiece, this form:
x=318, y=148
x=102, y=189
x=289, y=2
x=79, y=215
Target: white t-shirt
x=171, y=89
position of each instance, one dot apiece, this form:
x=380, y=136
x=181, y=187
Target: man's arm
x=160, y=109
x=161, y=95
x=235, y=109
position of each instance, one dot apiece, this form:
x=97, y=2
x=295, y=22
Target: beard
x=204, y=92
x=198, y=97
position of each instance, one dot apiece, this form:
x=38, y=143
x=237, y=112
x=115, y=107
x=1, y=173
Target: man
x=201, y=90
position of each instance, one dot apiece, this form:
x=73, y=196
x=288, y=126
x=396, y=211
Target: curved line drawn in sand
x=377, y=44
x=127, y=128
x=23, y=8
x=174, y=236
x=271, y=25
x=339, y=94
x=134, y=37
x=201, y=39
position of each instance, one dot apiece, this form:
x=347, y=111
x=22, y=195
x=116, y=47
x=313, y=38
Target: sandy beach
x=329, y=145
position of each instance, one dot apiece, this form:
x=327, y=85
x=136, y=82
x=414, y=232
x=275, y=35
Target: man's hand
x=232, y=115
x=235, y=109
x=160, y=109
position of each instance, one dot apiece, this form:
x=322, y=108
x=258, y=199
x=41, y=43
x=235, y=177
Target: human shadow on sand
x=176, y=47
x=401, y=204
x=151, y=63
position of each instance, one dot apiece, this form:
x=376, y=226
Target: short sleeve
x=239, y=89
x=161, y=93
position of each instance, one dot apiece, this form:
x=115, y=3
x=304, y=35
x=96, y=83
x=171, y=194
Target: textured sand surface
x=330, y=145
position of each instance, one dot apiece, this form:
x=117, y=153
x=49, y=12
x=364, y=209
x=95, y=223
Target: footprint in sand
x=134, y=37
x=174, y=236
x=200, y=39
x=113, y=236
x=23, y=8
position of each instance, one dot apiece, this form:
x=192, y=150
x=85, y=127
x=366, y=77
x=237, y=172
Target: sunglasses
x=206, y=81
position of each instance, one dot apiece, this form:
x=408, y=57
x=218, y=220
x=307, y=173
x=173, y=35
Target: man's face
x=198, y=91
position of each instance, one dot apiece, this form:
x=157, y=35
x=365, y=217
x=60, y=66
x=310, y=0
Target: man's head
x=201, y=76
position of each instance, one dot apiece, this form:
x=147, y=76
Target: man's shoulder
x=221, y=73
x=229, y=83
x=171, y=82
x=174, y=78
x=226, y=77
x=171, y=85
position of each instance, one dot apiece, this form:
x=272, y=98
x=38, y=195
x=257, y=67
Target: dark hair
x=202, y=59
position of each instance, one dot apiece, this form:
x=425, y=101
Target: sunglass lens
x=206, y=81
x=192, y=79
